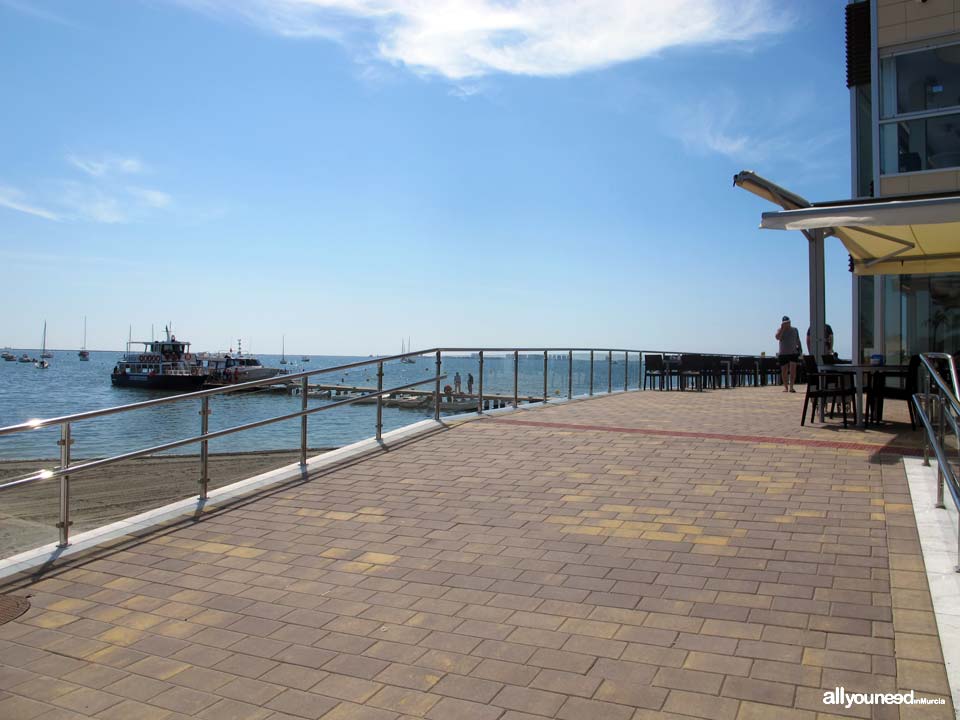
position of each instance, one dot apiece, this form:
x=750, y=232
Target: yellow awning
x=891, y=237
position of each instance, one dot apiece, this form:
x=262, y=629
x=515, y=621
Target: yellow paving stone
x=336, y=552
x=618, y=508
x=378, y=558
x=354, y=567
x=577, y=498
x=708, y=539
x=581, y=529
x=336, y=515
x=51, y=620
x=371, y=511
x=67, y=605
x=563, y=520
x=640, y=525
x=246, y=552
x=215, y=548
x=666, y=536
x=122, y=636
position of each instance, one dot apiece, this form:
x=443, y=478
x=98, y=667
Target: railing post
x=570, y=375
x=304, y=387
x=609, y=371
x=204, y=480
x=926, y=401
x=546, y=388
x=436, y=405
x=480, y=387
x=591, y=372
x=626, y=370
x=65, y=522
x=516, y=378
x=941, y=421
x=379, y=401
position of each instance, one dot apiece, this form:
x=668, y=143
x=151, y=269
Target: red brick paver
x=505, y=570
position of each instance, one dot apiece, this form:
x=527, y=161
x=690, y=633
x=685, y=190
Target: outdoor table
x=858, y=372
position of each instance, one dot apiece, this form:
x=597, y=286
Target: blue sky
x=465, y=172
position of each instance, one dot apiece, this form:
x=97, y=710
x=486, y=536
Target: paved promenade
x=643, y=555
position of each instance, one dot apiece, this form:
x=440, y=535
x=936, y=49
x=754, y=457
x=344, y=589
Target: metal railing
x=67, y=469
x=939, y=411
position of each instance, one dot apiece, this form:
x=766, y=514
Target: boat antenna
x=239, y=347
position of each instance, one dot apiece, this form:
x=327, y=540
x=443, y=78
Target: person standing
x=469, y=383
x=789, y=353
x=457, y=384
x=827, y=343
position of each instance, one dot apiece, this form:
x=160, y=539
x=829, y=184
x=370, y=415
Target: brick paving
x=504, y=571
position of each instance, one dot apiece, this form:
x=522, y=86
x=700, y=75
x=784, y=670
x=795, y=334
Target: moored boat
x=230, y=368
x=84, y=354
x=161, y=365
x=8, y=356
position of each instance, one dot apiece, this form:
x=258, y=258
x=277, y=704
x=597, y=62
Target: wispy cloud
x=13, y=199
x=106, y=165
x=460, y=39
x=103, y=194
x=26, y=7
x=755, y=134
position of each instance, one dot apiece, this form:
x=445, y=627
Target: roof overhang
x=884, y=238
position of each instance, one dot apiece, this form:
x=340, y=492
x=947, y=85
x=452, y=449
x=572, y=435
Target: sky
x=349, y=173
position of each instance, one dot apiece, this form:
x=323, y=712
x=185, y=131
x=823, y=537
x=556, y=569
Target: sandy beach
x=28, y=514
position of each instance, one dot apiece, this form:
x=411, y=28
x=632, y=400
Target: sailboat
x=42, y=363
x=406, y=360
x=84, y=354
x=283, y=350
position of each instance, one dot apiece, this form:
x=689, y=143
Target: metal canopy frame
x=760, y=186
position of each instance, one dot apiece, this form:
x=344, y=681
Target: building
x=903, y=71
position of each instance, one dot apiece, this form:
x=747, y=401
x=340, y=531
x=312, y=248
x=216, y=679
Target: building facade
x=903, y=71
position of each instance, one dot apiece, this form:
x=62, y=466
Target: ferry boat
x=229, y=368
x=161, y=365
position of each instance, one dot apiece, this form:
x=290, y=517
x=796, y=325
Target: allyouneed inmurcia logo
x=839, y=696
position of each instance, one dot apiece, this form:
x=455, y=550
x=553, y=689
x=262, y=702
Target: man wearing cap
x=789, y=353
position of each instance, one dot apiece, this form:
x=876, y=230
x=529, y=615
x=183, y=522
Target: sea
x=72, y=386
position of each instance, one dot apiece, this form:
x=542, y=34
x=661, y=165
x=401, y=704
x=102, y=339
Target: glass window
x=921, y=314
x=920, y=81
x=923, y=144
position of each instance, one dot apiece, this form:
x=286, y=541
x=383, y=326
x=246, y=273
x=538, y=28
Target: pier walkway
x=633, y=556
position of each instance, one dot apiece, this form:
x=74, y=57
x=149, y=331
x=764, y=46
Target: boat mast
x=43, y=343
x=84, y=333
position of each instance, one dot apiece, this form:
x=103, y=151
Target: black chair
x=712, y=372
x=770, y=369
x=824, y=386
x=880, y=391
x=671, y=370
x=691, y=370
x=653, y=370
x=745, y=370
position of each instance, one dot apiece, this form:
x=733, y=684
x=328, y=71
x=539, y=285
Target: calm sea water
x=71, y=386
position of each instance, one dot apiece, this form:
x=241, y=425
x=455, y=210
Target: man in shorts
x=789, y=353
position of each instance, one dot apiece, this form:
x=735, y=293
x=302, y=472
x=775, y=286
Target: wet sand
x=28, y=514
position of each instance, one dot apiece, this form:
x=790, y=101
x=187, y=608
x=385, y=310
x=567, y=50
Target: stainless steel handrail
x=203, y=437
x=65, y=470
x=938, y=406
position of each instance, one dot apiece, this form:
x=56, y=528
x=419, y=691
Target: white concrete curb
x=938, y=539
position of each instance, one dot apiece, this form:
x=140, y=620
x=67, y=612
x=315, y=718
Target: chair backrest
x=653, y=363
x=691, y=363
x=810, y=364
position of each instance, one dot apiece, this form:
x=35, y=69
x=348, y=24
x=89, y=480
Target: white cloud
x=107, y=165
x=721, y=124
x=13, y=199
x=461, y=39
x=150, y=198
x=103, y=197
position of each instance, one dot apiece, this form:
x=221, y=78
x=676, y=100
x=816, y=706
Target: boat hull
x=158, y=382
